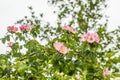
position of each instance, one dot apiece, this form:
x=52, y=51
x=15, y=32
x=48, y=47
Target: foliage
x=33, y=54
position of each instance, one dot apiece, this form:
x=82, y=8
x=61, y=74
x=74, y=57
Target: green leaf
x=8, y=38
x=20, y=66
x=110, y=54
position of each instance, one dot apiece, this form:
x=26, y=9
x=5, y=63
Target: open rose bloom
x=22, y=28
x=90, y=37
x=61, y=48
x=12, y=29
x=105, y=72
x=26, y=27
x=69, y=29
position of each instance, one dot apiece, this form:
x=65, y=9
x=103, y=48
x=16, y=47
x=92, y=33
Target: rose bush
x=69, y=51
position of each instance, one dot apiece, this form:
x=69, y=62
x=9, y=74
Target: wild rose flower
x=29, y=28
x=97, y=39
x=26, y=27
x=90, y=37
x=61, y=48
x=105, y=72
x=69, y=29
x=12, y=29
x=10, y=44
x=22, y=28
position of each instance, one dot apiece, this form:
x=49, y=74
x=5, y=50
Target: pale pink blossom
x=77, y=76
x=105, y=72
x=10, y=44
x=83, y=37
x=97, y=39
x=29, y=27
x=89, y=37
x=26, y=27
x=61, y=48
x=12, y=29
x=69, y=29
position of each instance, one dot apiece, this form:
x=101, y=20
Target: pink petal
x=61, y=48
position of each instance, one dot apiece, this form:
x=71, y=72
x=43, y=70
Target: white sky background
x=13, y=10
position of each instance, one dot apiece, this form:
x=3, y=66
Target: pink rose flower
x=12, y=29
x=10, y=44
x=97, y=39
x=61, y=48
x=22, y=28
x=29, y=27
x=69, y=29
x=26, y=27
x=90, y=37
x=105, y=72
